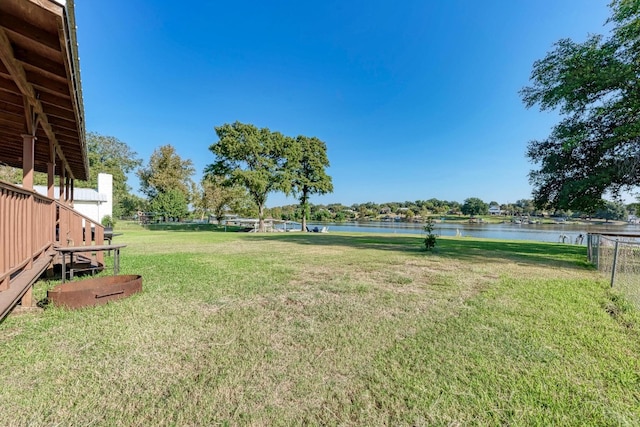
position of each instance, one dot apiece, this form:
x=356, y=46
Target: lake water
x=506, y=231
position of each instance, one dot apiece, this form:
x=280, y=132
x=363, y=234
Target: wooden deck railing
x=75, y=229
x=26, y=229
x=31, y=224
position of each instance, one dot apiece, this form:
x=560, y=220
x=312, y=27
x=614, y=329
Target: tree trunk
x=261, y=218
x=303, y=206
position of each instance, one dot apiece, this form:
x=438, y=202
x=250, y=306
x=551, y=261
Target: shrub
x=107, y=221
x=429, y=241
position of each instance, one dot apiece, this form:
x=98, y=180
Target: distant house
x=495, y=210
x=95, y=204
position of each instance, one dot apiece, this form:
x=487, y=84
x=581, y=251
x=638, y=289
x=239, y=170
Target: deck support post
x=62, y=196
x=27, y=298
x=51, y=183
x=67, y=190
x=28, y=150
x=51, y=171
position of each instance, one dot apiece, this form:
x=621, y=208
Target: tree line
x=249, y=163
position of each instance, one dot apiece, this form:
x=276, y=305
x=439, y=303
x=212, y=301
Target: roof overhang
x=40, y=91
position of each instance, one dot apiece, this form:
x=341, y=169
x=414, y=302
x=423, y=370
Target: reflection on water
x=506, y=231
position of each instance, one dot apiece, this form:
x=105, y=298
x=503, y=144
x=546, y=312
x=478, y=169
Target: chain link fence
x=618, y=256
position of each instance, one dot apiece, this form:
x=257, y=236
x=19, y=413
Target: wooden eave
x=40, y=84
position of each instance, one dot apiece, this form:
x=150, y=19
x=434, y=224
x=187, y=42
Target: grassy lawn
x=331, y=329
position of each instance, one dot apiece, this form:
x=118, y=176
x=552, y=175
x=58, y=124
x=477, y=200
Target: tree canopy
x=307, y=168
x=595, y=149
x=214, y=198
x=170, y=204
x=254, y=158
x=166, y=181
x=612, y=211
x=10, y=174
x=166, y=171
x=474, y=206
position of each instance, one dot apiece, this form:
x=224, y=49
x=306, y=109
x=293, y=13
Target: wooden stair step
x=19, y=285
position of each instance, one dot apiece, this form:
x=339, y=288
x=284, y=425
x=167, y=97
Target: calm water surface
x=507, y=231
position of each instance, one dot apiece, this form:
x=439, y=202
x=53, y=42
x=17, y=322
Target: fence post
x=615, y=262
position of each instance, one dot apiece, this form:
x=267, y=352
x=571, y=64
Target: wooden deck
x=34, y=228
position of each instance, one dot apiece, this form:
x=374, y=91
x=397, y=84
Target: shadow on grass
x=539, y=253
x=191, y=227
x=476, y=250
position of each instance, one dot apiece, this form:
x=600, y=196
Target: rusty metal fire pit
x=90, y=292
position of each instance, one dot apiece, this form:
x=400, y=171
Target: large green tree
x=474, y=206
x=254, y=158
x=611, y=211
x=595, y=85
x=166, y=171
x=214, y=198
x=166, y=181
x=308, y=171
x=131, y=204
x=170, y=204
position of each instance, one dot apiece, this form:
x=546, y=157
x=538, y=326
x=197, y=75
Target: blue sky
x=414, y=99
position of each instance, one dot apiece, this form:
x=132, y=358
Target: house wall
x=105, y=187
x=89, y=209
x=98, y=209
x=494, y=210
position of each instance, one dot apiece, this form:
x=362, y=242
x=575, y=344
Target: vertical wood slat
x=30, y=226
x=13, y=219
x=10, y=233
x=99, y=240
x=4, y=231
x=76, y=230
x=10, y=209
x=64, y=226
x=58, y=231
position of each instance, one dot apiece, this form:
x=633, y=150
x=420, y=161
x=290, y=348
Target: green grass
x=331, y=329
